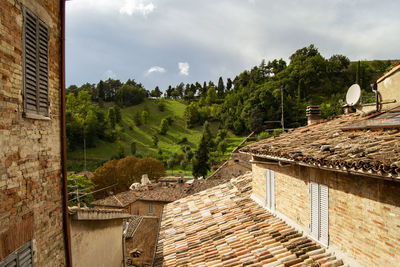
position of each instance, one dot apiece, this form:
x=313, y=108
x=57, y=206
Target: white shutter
x=267, y=188
x=272, y=193
x=314, y=220
x=324, y=214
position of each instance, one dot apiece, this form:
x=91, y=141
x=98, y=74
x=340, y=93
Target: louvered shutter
x=314, y=220
x=324, y=214
x=35, y=65
x=22, y=257
x=267, y=188
x=272, y=191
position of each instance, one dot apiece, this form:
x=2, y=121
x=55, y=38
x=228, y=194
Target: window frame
x=151, y=209
x=39, y=87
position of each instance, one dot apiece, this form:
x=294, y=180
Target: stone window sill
x=35, y=116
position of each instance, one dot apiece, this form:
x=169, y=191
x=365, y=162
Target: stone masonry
x=30, y=149
x=364, y=213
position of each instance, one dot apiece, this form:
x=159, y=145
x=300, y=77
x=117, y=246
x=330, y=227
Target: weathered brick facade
x=30, y=149
x=364, y=213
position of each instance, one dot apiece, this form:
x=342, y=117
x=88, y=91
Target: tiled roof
x=158, y=193
x=77, y=213
x=222, y=226
x=165, y=194
x=119, y=200
x=133, y=223
x=325, y=144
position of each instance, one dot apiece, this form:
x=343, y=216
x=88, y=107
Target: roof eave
x=352, y=171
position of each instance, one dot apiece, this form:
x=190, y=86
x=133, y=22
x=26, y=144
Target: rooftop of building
x=353, y=143
x=86, y=214
x=222, y=226
x=157, y=193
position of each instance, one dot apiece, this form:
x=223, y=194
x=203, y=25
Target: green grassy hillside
x=128, y=132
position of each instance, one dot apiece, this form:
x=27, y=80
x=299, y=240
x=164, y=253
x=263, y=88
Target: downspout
x=66, y=228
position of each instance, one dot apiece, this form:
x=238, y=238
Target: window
x=319, y=195
x=35, y=66
x=150, y=208
x=270, y=189
x=20, y=257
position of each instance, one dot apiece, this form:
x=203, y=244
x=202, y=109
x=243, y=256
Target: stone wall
x=364, y=213
x=141, y=207
x=30, y=157
x=388, y=87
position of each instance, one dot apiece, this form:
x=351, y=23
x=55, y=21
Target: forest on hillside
x=251, y=101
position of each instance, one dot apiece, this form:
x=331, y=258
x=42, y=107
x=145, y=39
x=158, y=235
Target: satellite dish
x=353, y=95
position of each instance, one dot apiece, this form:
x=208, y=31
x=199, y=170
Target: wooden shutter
x=272, y=191
x=324, y=214
x=314, y=220
x=35, y=65
x=22, y=257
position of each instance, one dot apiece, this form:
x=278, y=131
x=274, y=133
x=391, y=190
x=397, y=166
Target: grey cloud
x=220, y=38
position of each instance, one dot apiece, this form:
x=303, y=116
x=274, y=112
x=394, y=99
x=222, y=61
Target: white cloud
x=183, y=68
x=109, y=74
x=137, y=6
x=155, y=69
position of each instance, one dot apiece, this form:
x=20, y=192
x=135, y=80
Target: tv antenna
x=353, y=95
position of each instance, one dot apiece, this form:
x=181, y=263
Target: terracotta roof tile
x=232, y=231
x=133, y=223
x=325, y=144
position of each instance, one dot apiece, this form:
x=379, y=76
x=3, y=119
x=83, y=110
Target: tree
x=133, y=148
x=164, y=126
x=228, y=84
x=145, y=116
x=105, y=176
x=120, y=151
x=126, y=171
x=211, y=96
x=79, y=188
x=90, y=128
x=220, y=87
x=152, y=167
x=137, y=119
x=128, y=95
x=161, y=105
x=111, y=117
x=200, y=160
x=100, y=90
x=156, y=92
x=155, y=140
x=191, y=115
x=117, y=114
x=222, y=146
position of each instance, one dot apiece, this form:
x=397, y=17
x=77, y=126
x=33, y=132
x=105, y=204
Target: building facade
x=339, y=185
x=31, y=183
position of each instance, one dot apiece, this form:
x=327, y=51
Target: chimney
x=313, y=114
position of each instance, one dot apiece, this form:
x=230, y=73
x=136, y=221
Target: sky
x=165, y=42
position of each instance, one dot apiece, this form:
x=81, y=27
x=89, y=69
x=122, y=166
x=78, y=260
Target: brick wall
x=30, y=163
x=364, y=213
